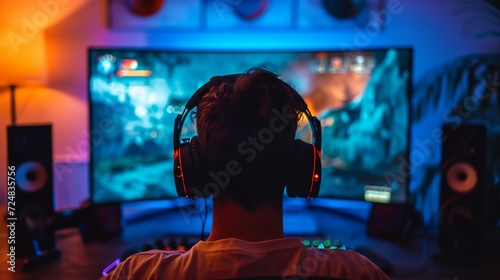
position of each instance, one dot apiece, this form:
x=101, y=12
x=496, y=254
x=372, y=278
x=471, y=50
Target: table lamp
x=23, y=67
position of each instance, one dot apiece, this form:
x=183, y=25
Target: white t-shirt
x=232, y=258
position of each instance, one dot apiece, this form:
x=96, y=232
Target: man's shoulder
x=158, y=253
x=153, y=256
x=337, y=255
x=144, y=264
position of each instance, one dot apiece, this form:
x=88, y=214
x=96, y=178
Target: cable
x=203, y=216
x=204, y=219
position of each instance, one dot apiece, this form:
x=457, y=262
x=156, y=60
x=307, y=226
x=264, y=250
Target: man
x=246, y=128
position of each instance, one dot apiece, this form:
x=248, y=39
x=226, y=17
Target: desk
x=411, y=260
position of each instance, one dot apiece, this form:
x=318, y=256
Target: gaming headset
x=304, y=177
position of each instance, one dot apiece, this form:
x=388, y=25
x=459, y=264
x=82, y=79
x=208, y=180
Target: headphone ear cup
x=198, y=170
x=305, y=171
x=189, y=181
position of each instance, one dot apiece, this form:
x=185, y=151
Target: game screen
x=360, y=96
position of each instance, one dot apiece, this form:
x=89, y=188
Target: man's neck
x=231, y=220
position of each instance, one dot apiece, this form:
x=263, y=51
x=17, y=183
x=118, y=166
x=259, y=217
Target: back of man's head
x=247, y=123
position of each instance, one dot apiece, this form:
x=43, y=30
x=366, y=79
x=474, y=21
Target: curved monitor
x=361, y=97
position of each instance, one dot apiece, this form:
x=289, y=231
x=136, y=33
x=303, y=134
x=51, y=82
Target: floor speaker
x=30, y=153
x=462, y=217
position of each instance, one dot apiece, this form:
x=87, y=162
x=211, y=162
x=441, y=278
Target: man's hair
x=251, y=120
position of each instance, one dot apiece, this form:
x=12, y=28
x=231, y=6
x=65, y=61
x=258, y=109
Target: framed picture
x=246, y=14
x=341, y=14
x=155, y=14
x=249, y=13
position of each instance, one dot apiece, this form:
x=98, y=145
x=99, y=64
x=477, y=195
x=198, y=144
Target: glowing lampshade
x=22, y=52
x=23, y=66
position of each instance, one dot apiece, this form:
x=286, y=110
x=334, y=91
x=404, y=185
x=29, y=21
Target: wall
x=433, y=28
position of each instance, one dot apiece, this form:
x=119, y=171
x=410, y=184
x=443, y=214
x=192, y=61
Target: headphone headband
x=198, y=95
x=308, y=159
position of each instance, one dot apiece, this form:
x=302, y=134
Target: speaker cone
x=461, y=177
x=31, y=176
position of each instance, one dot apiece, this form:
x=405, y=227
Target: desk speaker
x=30, y=152
x=462, y=217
